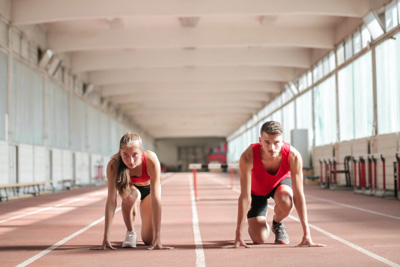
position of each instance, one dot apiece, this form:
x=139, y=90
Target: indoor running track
x=66, y=229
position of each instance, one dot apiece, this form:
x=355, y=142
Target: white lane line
x=360, y=249
x=59, y=243
x=354, y=207
x=52, y=207
x=37, y=211
x=200, y=259
x=354, y=246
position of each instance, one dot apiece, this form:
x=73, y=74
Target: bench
x=68, y=184
x=24, y=189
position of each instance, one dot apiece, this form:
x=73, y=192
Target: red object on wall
x=220, y=157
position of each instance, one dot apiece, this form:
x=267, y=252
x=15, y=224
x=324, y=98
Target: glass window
x=391, y=16
x=348, y=49
x=309, y=79
x=363, y=96
x=332, y=63
x=304, y=114
x=340, y=54
x=288, y=120
x=346, y=103
x=356, y=42
x=388, y=86
x=326, y=68
x=27, y=98
x=365, y=36
x=3, y=95
x=78, y=124
x=105, y=134
x=16, y=42
x=3, y=34
x=373, y=24
x=58, y=116
x=325, y=112
x=93, y=130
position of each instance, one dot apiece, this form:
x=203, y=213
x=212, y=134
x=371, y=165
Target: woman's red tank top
x=262, y=182
x=145, y=177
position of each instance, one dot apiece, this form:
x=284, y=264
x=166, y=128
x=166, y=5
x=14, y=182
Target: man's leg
x=283, y=202
x=258, y=229
x=257, y=220
x=283, y=205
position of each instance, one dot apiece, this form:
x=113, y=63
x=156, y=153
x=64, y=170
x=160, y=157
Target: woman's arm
x=154, y=170
x=111, y=203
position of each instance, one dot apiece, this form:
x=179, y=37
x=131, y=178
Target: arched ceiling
x=183, y=68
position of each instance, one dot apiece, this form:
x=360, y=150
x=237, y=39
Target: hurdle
x=211, y=166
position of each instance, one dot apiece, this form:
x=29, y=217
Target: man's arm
x=244, y=202
x=296, y=168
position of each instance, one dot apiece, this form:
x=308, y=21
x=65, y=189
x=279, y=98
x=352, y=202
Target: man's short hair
x=272, y=128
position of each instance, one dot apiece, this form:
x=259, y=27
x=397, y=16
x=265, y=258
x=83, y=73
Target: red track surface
x=56, y=230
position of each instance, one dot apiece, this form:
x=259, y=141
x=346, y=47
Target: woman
x=131, y=173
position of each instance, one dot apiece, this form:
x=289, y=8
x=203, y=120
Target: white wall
x=4, y=162
x=25, y=163
x=41, y=163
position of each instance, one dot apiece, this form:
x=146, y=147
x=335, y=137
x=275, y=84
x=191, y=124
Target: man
x=271, y=168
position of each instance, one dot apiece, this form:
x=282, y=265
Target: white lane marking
x=360, y=249
x=353, y=207
x=59, y=243
x=200, y=259
x=52, y=207
x=354, y=246
x=37, y=211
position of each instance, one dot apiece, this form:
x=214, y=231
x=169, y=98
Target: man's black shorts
x=259, y=204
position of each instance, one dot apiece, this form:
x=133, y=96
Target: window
x=288, y=120
x=374, y=25
x=388, y=86
x=325, y=112
x=391, y=16
x=28, y=96
x=3, y=95
x=3, y=34
x=304, y=114
x=340, y=54
x=365, y=36
x=58, y=116
x=348, y=48
x=356, y=42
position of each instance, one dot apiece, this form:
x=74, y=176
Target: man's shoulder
x=247, y=155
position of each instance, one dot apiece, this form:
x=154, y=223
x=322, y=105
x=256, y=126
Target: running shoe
x=281, y=237
x=130, y=240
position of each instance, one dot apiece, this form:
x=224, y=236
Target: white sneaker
x=130, y=240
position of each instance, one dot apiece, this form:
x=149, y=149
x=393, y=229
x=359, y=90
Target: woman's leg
x=129, y=208
x=146, y=212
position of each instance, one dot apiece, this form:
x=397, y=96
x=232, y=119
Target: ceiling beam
x=145, y=58
x=214, y=74
x=191, y=87
x=44, y=11
x=208, y=36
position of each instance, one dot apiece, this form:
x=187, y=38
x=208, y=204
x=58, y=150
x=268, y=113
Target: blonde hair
x=122, y=178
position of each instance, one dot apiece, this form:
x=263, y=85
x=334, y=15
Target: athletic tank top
x=145, y=177
x=262, y=182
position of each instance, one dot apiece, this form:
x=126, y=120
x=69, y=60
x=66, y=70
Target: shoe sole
x=128, y=246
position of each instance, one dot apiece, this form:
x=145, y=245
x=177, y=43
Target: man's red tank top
x=262, y=182
x=145, y=177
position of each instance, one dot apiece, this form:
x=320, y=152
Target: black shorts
x=144, y=191
x=259, y=204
